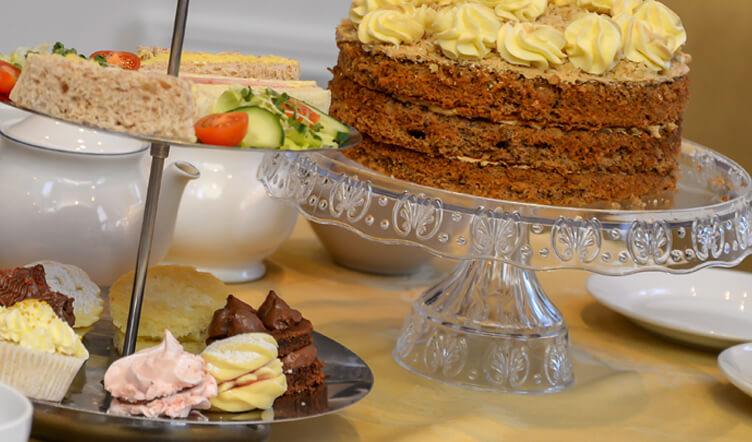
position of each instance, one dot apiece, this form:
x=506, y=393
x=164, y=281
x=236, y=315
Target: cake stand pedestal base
x=487, y=326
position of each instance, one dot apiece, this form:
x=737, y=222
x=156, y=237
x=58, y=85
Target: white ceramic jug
x=77, y=196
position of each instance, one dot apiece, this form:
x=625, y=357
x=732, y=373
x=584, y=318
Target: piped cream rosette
x=248, y=373
x=40, y=353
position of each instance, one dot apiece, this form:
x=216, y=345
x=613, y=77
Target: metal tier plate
x=488, y=324
x=82, y=413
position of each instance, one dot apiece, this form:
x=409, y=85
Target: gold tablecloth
x=629, y=383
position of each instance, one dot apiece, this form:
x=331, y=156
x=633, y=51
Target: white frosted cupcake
x=74, y=282
x=40, y=353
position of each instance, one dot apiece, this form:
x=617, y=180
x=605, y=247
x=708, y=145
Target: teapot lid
x=40, y=131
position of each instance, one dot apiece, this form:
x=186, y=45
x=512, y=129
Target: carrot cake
x=565, y=102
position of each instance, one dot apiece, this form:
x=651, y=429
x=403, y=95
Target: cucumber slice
x=329, y=125
x=264, y=129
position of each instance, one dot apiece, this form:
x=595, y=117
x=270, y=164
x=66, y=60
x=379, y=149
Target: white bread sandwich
x=83, y=91
x=230, y=64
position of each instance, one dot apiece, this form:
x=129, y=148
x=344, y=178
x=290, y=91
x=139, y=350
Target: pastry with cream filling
x=248, y=373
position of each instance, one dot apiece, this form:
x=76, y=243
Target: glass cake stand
x=488, y=325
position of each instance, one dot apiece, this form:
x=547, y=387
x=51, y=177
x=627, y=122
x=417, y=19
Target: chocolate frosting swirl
x=276, y=314
x=30, y=283
x=300, y=358
x=235, y=318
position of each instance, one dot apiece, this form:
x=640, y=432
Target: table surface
x=629, y=383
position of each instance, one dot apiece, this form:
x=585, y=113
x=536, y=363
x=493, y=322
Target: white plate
x=707, y=308
x=15, y=415
x=736, y=365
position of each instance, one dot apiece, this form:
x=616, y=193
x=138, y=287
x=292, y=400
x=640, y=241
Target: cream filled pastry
x=248, y=372
x=164, y=380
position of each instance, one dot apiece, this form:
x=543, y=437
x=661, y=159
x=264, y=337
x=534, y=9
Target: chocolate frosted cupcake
x=30, y=283
x=306, y=390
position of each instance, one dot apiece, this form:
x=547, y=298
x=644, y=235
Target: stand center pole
x=159, y=152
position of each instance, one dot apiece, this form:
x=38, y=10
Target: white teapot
x=77, y=196
x=227, y=224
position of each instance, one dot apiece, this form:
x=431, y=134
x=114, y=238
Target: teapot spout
x=174, y=179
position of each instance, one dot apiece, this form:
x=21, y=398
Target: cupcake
x=178, y=298
x=30, y=283
x=40, y=353
x=73, y=282
x=163, y=380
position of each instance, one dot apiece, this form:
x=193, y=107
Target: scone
x=178, y=298
x=40, y=352
x=72, y=281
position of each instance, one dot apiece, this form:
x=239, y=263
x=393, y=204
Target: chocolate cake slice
x=294, y=334
x=306, y=390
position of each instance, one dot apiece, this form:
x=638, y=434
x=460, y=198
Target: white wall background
x=299, y=29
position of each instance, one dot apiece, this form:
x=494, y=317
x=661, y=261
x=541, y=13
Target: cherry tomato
x=8, y=76
x=126, y=60
x=304, y=113
x=222, y=129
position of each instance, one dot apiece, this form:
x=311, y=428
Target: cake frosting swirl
x=517, y=10
x=529, y=44
x=466, y=31
x=593, y=42
x=662, y=21
x=642, y=45
x=395, y=26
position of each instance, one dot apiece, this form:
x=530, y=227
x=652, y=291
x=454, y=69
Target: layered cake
x=306, y=390
x=565, y=102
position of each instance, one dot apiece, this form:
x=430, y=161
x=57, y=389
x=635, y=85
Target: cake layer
x=294, y=337
x=314, y=400
x=305, y=377
x=414, y=127
x=472, y=91
x=510, y=183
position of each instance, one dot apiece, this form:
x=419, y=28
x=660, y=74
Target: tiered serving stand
x=488, y=324
x=83, y=412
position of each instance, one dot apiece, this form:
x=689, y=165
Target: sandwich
x=131, y=93
x=230, y=64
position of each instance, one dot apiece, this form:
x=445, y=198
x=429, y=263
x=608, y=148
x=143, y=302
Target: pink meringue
x=163, y=380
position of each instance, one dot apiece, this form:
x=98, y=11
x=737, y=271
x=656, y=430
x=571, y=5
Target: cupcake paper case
x=40, y=353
